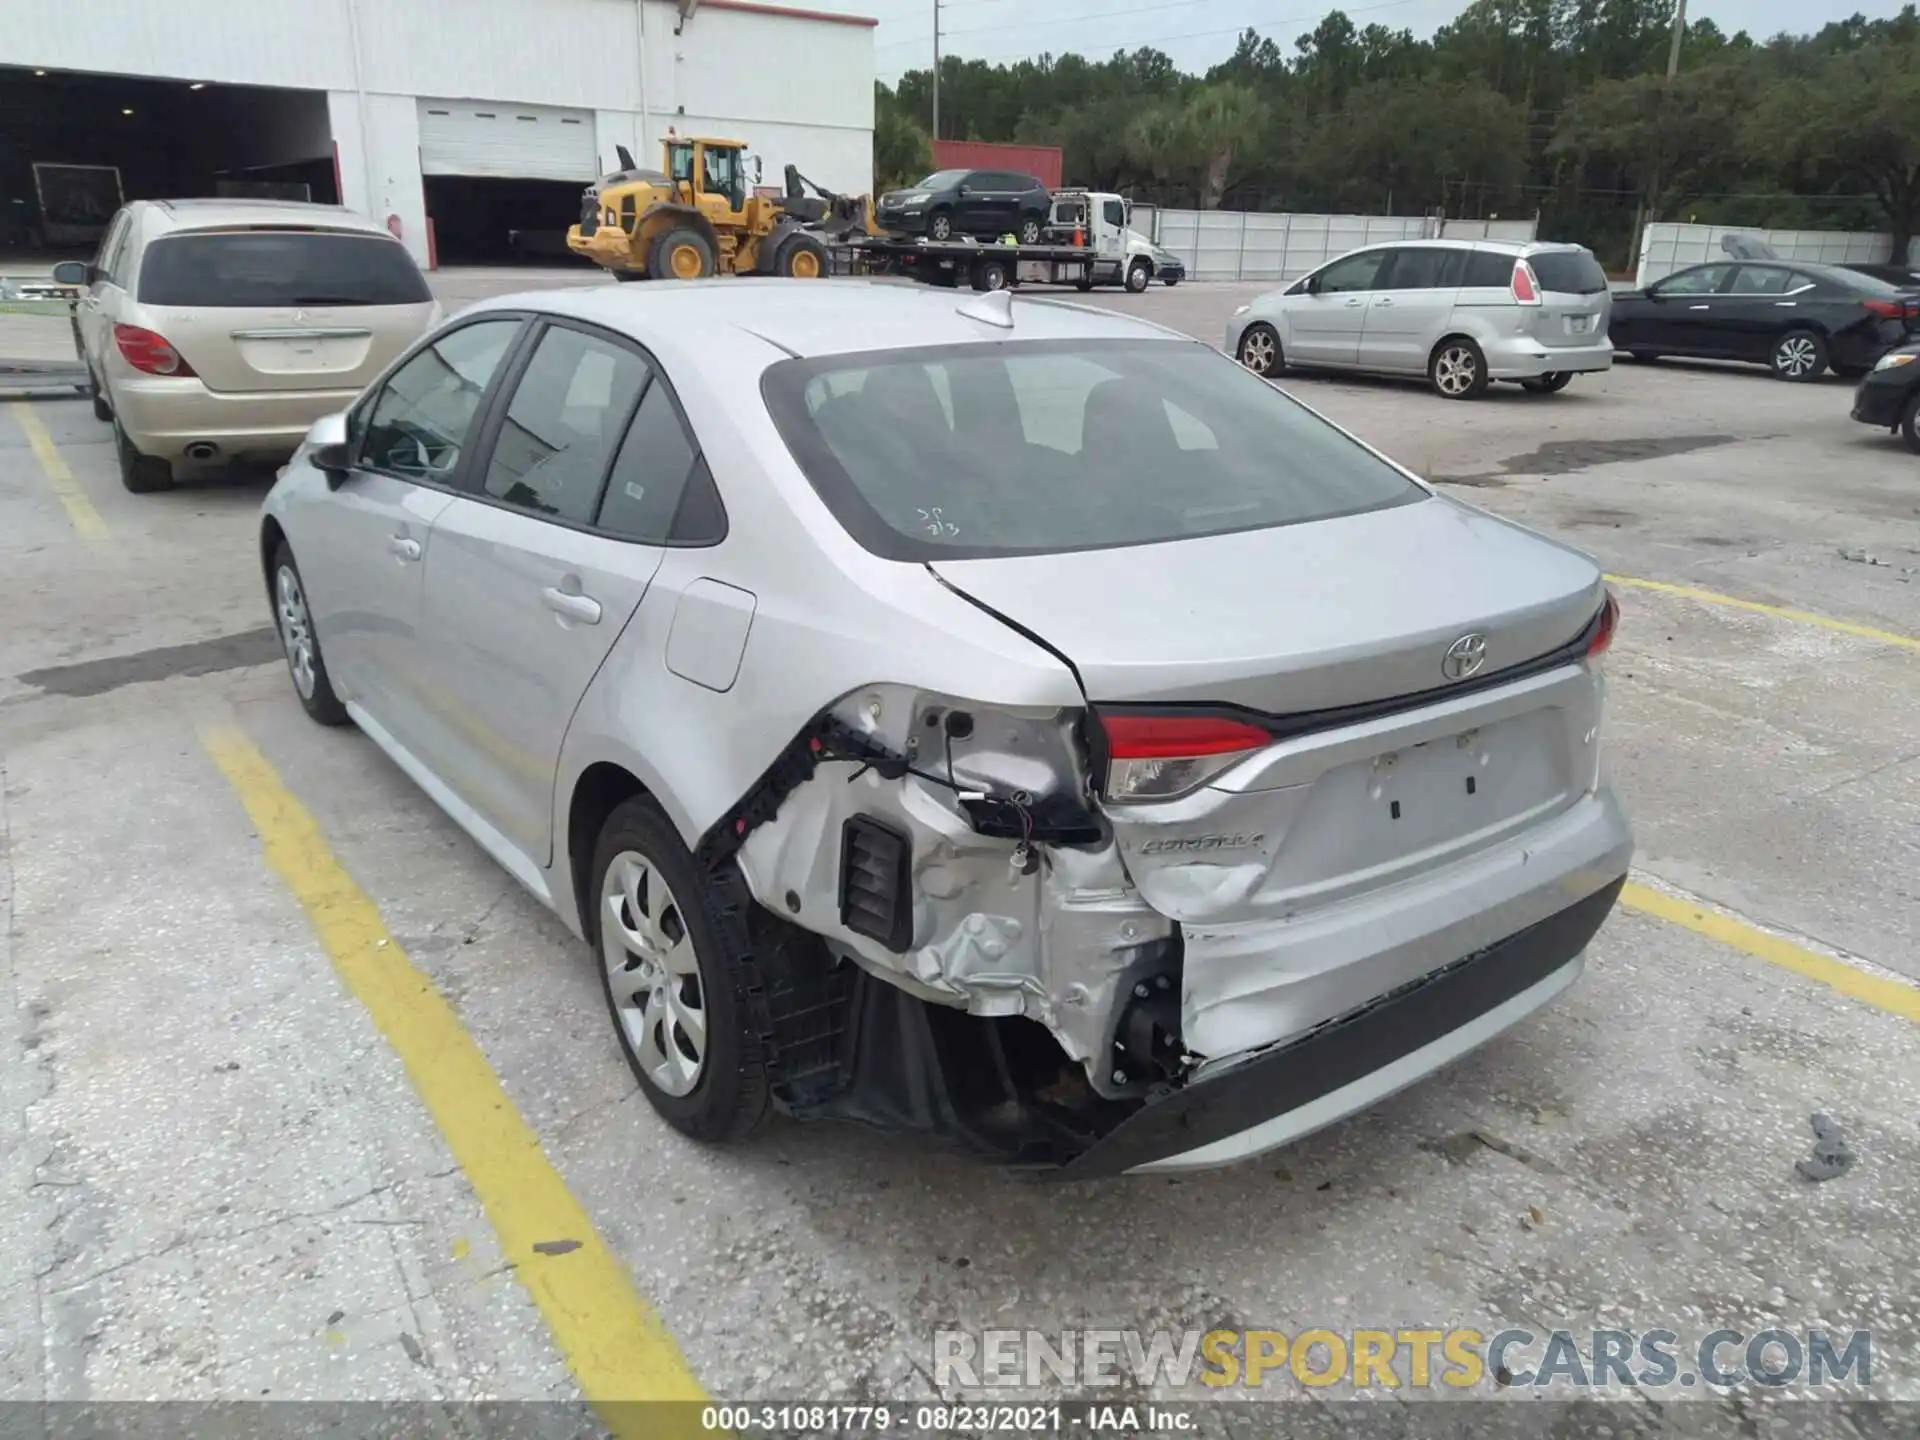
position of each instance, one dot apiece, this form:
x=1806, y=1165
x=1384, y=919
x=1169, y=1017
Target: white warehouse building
x=468, y=126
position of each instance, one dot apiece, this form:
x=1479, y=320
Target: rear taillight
x=1602, y=640
x=1156, y=757
x=148, y=352
x=1888, y=309
x=1526, y=288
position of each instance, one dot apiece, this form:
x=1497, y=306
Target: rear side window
x=1049, y=446
x=1568, y=272
x=660, y=492
x=1424, y=268
x=562, y=425
x=264, y=268
x=1491, y=269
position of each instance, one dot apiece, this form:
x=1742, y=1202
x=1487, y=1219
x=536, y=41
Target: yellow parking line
x=1893, y=996
x=1804, y=617
x=85, y=519
x=617, y=1347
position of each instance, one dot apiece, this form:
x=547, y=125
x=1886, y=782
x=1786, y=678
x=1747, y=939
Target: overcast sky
x=1197, y=33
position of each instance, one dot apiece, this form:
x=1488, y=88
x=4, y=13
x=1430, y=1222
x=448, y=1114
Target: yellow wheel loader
x=696, y=216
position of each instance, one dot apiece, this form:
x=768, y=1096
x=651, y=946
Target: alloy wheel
x=1257, y=351
x=1455, y=371
x=1796, y=356
x=653, y=973
x=296, y=629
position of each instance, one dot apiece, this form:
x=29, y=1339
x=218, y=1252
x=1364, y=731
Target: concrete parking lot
x=239, y=1157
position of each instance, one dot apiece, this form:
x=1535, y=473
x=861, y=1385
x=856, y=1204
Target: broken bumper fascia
x=1351, y=1063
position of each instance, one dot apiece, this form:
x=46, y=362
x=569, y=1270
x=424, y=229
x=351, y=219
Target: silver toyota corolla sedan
x=980, y=716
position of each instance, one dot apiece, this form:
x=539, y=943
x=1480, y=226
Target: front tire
x=1552, y=383
x=1457, y=369
x=141, y=474
x=1910, y=424
x=305, y=665
x=802, y=257
x=1260, y=350
x=1799, y=355
x=677, y=1007
x=681, y=254
x=940, y=226
x=1139, y=275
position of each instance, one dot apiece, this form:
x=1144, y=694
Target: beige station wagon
x=220, y=330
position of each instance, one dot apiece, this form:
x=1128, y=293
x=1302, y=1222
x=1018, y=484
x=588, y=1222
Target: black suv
x=985, y=204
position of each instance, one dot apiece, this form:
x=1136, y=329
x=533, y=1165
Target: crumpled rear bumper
x=1356, y=1060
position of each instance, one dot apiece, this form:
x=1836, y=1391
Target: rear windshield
x=1047, y=446
x=1858, y=283
x=252, y=269
x=1568, y=272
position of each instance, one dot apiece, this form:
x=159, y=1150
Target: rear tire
x=1910, y=424
x=1030, y=231
x=1139, y=276
x=990, y=273
x=678, y=1008
x=1799, y=355
x=1260, y=350
x=1457, y=369
x=1170, y=281
x=1552, y=383
x=1083, y=286
x=1852, y=372
x=1644, y=357
x=681, y=254
x=102, y=411
x=293, y=618
x=141, y=474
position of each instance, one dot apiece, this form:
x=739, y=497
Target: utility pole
x=936, y=69
x=1679, y=29
x=1647, y=210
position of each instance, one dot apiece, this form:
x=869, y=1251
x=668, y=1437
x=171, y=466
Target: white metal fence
x=1242, y=245
x=1669, y=246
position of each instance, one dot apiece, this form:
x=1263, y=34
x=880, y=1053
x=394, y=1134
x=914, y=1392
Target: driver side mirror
x=327, y=449
x=73, y=272
x=964, y=191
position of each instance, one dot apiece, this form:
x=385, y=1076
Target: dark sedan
x=1890, y=395
x=985, y=204
x=1798, y=319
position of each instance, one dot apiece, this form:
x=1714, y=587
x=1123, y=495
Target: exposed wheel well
x=272, y=537
x=600, y=790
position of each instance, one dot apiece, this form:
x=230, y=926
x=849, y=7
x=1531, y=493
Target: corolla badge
x=1464, y=657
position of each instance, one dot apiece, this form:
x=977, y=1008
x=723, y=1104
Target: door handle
x=1699, y=307
x=1384, y=301
x=1356, y=302
x=1785, y=304
x=405, y=547
x=573, y=606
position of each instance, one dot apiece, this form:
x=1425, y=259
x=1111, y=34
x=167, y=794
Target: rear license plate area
x=1578, y=324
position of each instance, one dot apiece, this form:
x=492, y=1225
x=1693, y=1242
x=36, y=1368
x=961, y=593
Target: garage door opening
x=502, y=222
x=74, y=146
x=503, y=179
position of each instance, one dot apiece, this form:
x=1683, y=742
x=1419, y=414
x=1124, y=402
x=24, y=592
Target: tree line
x=1558, y=107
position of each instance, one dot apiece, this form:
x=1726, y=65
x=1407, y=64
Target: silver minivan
x=1463, y=313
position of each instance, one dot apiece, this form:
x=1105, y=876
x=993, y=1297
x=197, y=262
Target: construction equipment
x=696, y=216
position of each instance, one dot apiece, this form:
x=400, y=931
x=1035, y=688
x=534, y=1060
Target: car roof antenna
x=994, y=307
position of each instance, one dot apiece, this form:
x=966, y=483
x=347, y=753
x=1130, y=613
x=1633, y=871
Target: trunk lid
x=1298, y=617
x=1575, y=300
x=1309, y=618
x=290, y=348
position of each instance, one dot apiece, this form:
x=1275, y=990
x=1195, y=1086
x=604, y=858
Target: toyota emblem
x=1464, y=657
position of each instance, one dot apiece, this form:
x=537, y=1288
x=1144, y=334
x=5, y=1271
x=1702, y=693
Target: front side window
x=942, y=180
x=1355, y=272
x=1701, y=280
x=1114, y=213
x=1048, y=446
x=419, y=423
x=680, y=161
x=562, y=425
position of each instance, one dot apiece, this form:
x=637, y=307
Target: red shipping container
x=1040, y=161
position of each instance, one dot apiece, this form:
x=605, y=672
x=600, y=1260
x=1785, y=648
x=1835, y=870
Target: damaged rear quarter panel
x=1048, y=940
